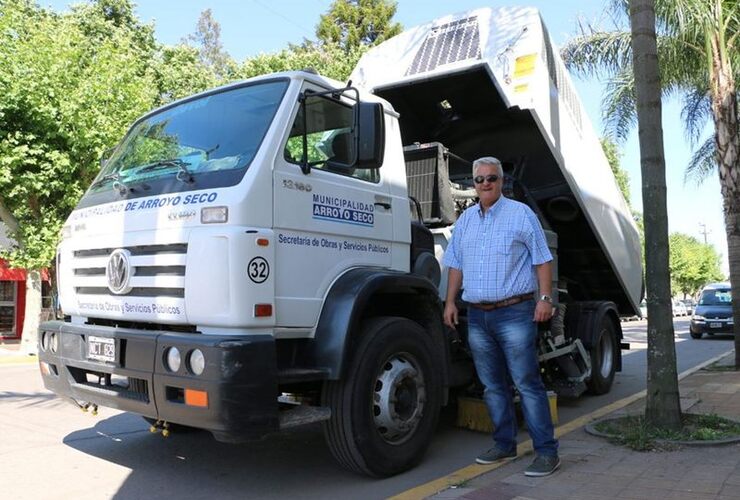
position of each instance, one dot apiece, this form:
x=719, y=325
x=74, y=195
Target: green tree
x=332, y=60
x=351, y=23
x=179, y=72
x=692, y=264
x=698, y=46
x=662, y=405
x=69, y=85
x=614, y=156
x=207, y=39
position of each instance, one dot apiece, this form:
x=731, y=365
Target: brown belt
x=490, y=306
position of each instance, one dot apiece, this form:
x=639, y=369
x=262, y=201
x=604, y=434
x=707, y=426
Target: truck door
x=328, y=220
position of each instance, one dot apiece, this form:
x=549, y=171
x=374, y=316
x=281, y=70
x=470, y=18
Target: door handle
x=383, y=201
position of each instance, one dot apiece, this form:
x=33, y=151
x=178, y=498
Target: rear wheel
x=386, y=407
x=603, y=358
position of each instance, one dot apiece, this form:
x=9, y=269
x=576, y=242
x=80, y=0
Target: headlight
x=214, y=215
x=54, y=342
x=696, y=317
x=172, y=359
x=197, y=362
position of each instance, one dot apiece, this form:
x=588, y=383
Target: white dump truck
x=266, y=254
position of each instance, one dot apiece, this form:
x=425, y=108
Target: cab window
x=329, y=138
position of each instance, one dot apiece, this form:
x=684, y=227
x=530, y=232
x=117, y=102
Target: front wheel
x=386, y=407
x=603, y=358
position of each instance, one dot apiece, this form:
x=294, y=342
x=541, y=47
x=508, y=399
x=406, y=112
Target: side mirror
x=371, y=135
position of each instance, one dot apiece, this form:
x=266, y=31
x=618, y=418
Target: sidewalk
x=11, y=353
x=593, y=469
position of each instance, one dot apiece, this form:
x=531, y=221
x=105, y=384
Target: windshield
x=205, y=142
x=716, y=297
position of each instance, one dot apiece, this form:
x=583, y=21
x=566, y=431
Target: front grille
x=139, y=325
x=135, y=292
x=156, y=270
x=136, y=250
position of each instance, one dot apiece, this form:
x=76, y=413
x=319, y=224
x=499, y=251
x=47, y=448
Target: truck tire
x=603, y=357
x=385, y=408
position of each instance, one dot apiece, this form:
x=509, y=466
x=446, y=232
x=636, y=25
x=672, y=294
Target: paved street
x=56, y=451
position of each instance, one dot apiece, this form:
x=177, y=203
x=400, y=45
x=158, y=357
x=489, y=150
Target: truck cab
x=231, y=253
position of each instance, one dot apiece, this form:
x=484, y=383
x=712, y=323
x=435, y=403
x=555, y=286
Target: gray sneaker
x=494, y=455
x=542, y=465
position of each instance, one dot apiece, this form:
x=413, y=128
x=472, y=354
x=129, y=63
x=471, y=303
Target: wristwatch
x=546, y=298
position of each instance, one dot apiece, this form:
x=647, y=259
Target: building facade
x=13, y=294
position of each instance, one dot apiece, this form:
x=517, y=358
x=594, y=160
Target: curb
x=16, y=359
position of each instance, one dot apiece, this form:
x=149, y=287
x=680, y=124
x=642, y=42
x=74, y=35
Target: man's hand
x=450, y=314
x=542, y=312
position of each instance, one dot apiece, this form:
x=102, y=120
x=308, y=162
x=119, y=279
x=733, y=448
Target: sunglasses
x=478, y=179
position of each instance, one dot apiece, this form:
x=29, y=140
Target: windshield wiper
x=115, y=176
x=118, y=184
x=183, y=174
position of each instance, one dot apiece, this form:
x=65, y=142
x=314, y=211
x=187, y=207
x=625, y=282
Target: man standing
x=498, y=255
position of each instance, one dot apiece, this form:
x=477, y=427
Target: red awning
x=14, y=274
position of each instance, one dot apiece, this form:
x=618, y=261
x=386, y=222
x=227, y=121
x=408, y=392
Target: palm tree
x=697, y=44
x=662, y=406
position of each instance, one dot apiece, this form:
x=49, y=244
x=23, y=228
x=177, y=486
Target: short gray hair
x=489, y=160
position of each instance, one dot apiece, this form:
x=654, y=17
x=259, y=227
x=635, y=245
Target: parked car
x=690, y=304
x=643, y=308
x=713, y=313
x=678, y=308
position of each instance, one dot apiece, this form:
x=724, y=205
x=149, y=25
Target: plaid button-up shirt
x=496, y=251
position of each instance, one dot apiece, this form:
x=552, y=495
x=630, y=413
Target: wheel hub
x=398, y=398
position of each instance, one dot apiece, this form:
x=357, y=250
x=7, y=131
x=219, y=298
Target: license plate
x=101, y=349
x=715, y=325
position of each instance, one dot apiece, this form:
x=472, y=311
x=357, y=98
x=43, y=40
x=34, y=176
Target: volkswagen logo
x=118, y=271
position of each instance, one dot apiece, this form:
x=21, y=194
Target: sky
x=250, y=27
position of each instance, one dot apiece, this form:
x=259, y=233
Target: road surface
x=52, y=450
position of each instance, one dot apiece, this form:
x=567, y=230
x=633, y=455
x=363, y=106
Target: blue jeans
x=506, y=340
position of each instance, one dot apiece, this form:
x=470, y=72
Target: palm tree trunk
x=662, y=406
x=724, y=110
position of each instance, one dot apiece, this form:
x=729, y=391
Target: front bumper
x=711, y=326
x=240, y=377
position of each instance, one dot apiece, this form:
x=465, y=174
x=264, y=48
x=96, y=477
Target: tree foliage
x=179, y=72
x=330, y=59
x=352, y=23
x=697, y=45
x=614, y=156
x=69, y=85
x=212, y=56
x=692, y=264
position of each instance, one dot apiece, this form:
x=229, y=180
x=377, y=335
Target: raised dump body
x=489, y=82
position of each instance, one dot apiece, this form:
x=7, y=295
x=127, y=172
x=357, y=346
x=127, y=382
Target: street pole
x=704, y=231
